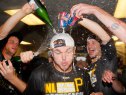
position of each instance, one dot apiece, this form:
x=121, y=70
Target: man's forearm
x=18, y=83
x=10, y=24
x=118, y=87
x=96, y=29
x=116, y=26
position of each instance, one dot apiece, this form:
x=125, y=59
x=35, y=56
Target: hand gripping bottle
x=18, y=59
x=41, y=11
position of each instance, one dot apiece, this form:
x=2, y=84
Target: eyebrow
x=13, y=41
x=66, y=50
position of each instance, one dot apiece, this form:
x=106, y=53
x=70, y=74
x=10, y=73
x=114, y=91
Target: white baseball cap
x=61, y=39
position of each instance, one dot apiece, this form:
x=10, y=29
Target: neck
x=7, y=55
x=96, y=58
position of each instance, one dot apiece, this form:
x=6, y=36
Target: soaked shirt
x=106, y=62
x=46, y=80
x=5, y=87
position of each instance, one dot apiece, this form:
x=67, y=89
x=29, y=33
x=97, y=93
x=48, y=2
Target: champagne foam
x=54, y=31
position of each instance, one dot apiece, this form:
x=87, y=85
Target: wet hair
x=15, y=34
x=94, y=37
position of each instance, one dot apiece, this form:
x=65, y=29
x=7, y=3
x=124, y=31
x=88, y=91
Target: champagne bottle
x=13, y=59
x=41, y=12
x=18, y=59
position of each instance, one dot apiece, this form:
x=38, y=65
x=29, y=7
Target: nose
x=63, y=56
x=90, y=45
x=15, y=45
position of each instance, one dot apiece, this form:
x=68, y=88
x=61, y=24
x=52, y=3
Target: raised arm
x=13, y=20
x=96, y=29
x=116, y=26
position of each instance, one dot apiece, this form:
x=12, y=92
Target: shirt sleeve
x=109, y=50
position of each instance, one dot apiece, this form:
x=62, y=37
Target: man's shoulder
x=44, y=67
x=41, y=73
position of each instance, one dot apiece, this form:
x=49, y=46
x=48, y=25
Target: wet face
x=63, y=57
x=93, y=48
x=12, y=45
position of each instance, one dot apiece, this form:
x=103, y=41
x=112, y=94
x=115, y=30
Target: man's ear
x=49, y=52
x=74, y=50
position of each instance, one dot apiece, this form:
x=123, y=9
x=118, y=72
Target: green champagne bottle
x=41, y=12
x=16, y=59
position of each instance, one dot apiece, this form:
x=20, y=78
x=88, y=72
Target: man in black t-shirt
x=100, y=63
x=8, y=47
x=103, y=56
x=61, y=76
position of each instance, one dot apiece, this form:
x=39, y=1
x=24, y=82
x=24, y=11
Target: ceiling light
x=30, y=19
x=120, y=11
x=25, y=43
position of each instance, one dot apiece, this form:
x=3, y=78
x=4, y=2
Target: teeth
x=92, y=49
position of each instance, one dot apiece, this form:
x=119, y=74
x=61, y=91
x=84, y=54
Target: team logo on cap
x=59, y=43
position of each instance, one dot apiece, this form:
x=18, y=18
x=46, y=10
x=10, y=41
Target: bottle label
x=35, y=5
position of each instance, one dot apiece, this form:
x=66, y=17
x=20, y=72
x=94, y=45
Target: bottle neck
x=35, y=5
